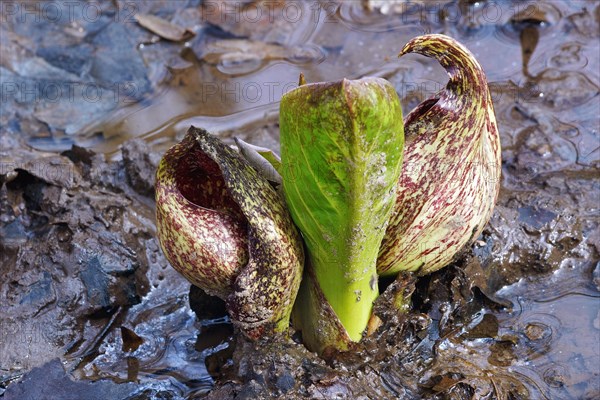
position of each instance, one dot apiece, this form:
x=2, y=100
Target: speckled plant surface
x=227, y=230
x=342, y=143
x=451, y=177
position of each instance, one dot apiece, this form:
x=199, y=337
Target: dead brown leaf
x=163, y=28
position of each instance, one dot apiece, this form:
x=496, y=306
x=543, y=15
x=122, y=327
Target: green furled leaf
x=341, y=146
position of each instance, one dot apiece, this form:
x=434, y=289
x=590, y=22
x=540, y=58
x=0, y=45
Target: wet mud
x=90, y=308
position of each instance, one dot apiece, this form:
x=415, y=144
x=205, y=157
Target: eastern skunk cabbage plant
x=361, y=213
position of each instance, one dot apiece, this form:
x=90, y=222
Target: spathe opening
x=200, y=180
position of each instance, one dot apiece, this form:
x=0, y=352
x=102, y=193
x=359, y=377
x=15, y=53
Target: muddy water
x=534, y=329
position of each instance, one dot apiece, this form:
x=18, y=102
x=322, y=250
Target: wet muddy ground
x=90, y=101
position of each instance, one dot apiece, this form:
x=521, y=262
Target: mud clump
x=72, y=248
x=57, y=382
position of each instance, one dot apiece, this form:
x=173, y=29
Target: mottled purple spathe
x=224, y=228
x=451, y=174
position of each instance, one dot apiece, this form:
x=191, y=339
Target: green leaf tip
x=301, y=79
x=341, y=147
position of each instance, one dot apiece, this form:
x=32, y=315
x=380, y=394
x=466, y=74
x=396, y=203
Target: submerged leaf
x=228, y=232
x=341, y=146
x=451, y=175
x=163, y=28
